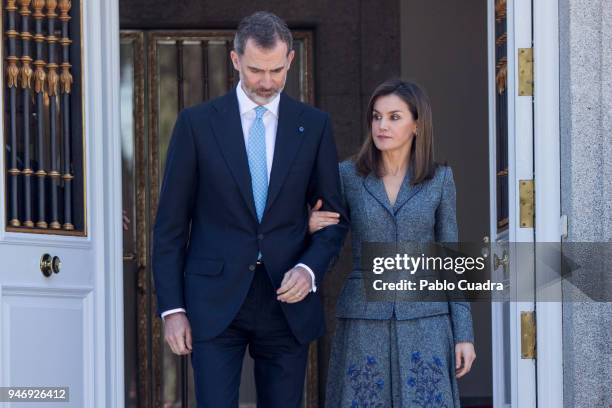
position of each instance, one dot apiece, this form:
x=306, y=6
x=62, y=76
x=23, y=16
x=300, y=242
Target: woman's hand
x=464, y=351
x=321, y=219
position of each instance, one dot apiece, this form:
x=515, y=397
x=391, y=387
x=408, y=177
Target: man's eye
x=395, y=117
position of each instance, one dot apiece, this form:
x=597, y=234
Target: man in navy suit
x=233, y=262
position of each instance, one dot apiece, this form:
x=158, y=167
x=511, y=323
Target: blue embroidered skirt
x=392, y=363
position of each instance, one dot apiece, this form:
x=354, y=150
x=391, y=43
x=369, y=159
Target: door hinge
x=525, y=67
x=527, y=203
x=528, y=335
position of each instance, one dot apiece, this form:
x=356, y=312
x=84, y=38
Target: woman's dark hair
x=421, y=155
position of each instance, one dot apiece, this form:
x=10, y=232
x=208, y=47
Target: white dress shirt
x=270, y=120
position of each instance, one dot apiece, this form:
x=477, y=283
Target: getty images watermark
x=486, y=272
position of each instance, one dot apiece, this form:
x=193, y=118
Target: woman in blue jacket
x=385, y=353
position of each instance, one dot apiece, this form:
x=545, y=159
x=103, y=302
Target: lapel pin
x=301, y=128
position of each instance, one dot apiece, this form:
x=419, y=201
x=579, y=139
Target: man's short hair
x=265, y=29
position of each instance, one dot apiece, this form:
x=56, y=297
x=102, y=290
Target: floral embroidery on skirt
x=392, y=363
x=425, y=380
x=366, y=382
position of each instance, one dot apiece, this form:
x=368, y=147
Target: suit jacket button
x=260, y=237
x=251, y=267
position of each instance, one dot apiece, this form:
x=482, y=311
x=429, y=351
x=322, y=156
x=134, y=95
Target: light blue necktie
x=256, y=151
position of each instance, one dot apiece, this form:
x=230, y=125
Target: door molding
x=102, y=59
x=548, y=197
x=521, y=374
x=497, y=323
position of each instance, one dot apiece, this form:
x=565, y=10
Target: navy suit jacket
x=206, y=235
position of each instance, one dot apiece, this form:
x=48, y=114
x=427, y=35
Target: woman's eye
x=395, y=117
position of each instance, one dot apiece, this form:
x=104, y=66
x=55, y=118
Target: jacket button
x=251, y=267
x=260, y=237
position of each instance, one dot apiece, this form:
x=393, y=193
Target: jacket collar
x=376, y=188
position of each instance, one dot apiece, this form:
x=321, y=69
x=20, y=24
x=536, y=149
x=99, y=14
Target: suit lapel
x=227, y=129
x=407, y=191
x=376, y=188
x=289, y=138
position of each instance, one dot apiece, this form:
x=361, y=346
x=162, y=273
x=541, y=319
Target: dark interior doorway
x=350, y=46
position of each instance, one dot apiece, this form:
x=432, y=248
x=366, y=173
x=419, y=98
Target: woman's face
x=393, y=126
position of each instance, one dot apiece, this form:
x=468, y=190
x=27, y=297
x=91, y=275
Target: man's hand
x=464, y=352
x=177, y=333
x=295, y=286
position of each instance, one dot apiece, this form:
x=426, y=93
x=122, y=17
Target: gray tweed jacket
x=421, y=213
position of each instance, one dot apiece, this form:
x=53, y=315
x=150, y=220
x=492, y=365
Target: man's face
x=263, y=72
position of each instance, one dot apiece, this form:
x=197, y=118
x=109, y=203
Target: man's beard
x=261, y=99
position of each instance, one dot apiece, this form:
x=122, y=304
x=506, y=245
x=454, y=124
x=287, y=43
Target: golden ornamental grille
x=43, y=117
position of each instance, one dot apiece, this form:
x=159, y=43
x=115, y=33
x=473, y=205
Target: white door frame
x=497, y=329
x=101, y=78
x=104, y=30
x=542, y=163
x=548, y=195
x=522, y=372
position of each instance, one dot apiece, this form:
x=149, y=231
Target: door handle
x=484, y=251
x=50, y=265
x=504, y=261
